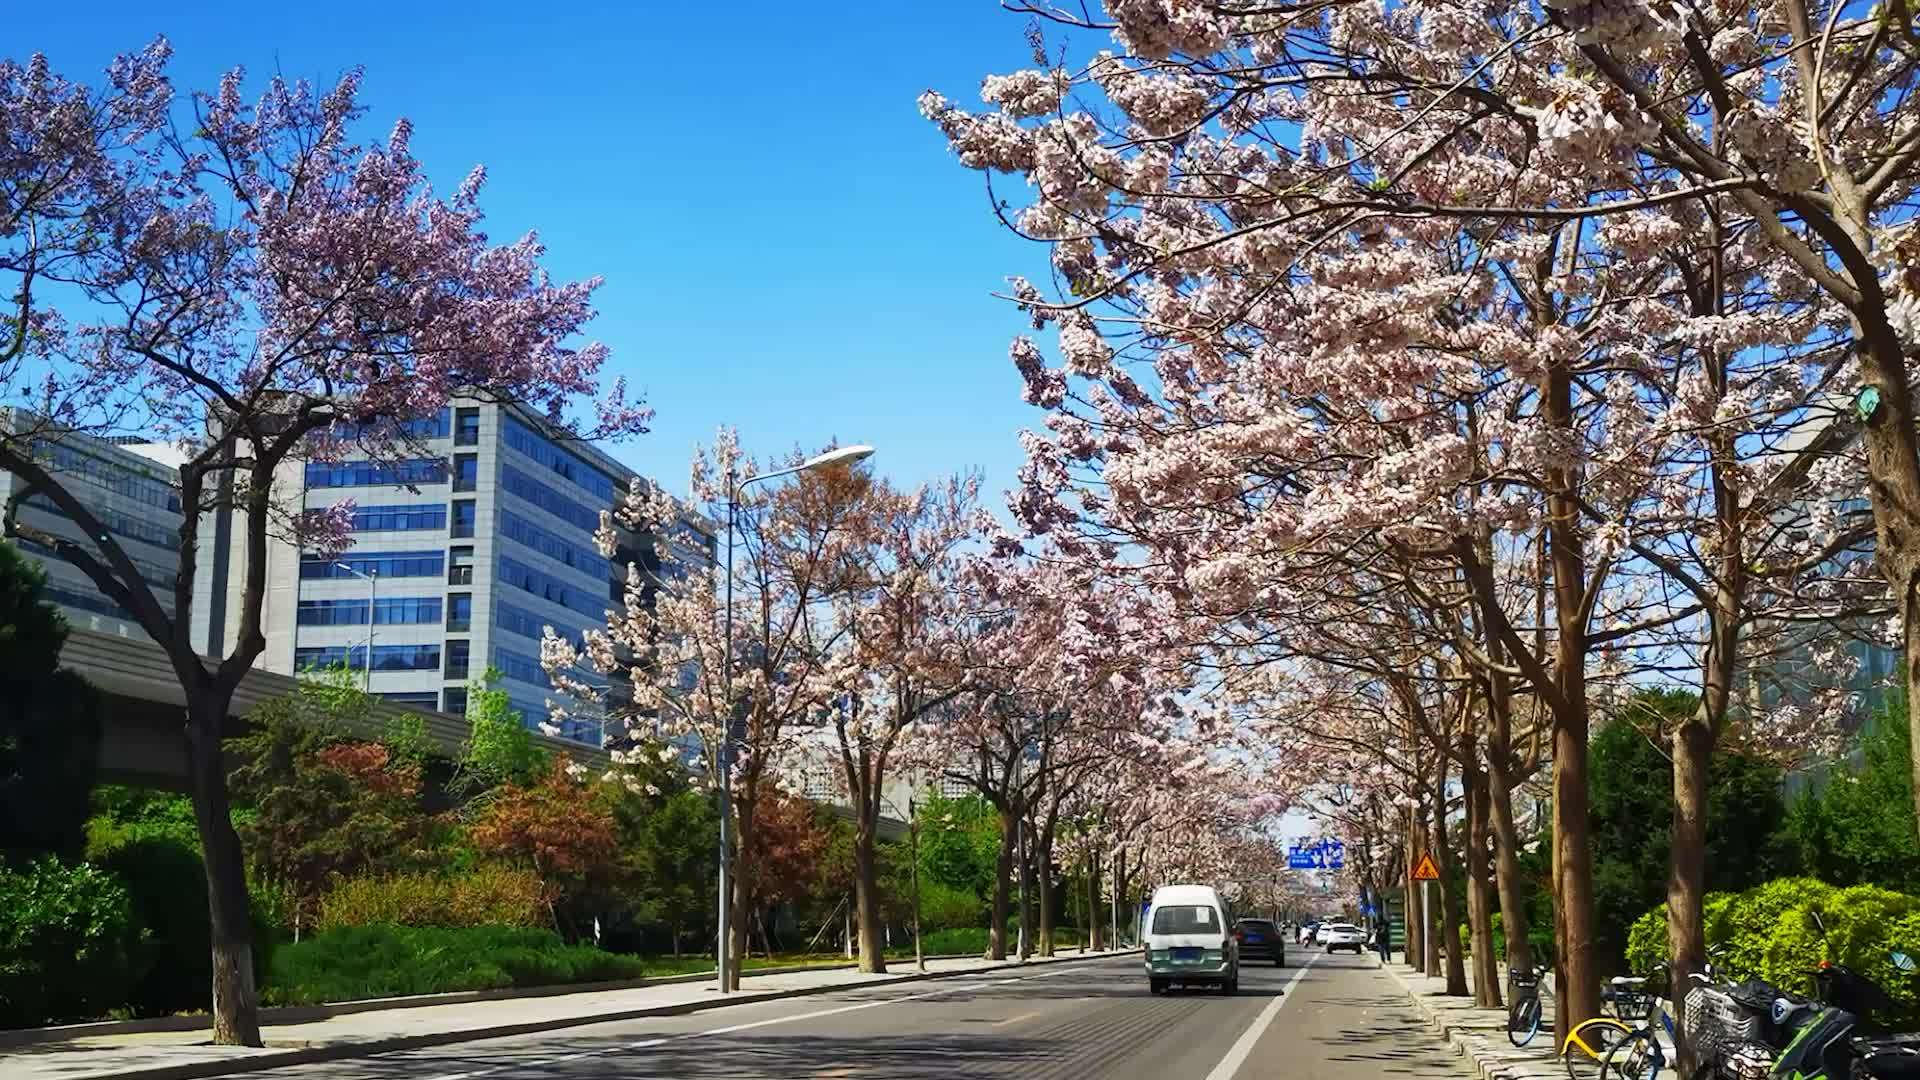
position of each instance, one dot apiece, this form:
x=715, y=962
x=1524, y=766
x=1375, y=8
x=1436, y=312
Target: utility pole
x=913, y=853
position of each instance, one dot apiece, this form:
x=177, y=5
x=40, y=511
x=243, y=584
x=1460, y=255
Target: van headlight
x=1156, y=954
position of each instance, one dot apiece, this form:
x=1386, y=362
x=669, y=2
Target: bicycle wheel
x=1587, y=1045
x=1523, y=1021
x=1636, y=1057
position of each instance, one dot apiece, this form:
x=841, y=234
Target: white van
x=1188, y=932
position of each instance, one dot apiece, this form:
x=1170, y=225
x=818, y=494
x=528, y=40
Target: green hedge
x=69, y=946
x=972, y=941
x=1769, y=933
x=388, y=961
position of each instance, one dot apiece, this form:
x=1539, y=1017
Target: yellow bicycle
x=1591, y=1040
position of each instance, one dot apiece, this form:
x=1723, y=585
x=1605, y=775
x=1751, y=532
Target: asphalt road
x=1339, y=1017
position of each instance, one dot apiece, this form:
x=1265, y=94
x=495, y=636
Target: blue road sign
x=1317, y=855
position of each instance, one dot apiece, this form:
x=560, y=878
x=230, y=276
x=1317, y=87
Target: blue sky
x=787, y=246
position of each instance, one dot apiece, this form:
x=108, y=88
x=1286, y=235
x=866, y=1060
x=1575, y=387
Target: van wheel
x=1158, y=986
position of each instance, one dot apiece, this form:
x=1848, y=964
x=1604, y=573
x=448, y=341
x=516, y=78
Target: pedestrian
x=1383, y=940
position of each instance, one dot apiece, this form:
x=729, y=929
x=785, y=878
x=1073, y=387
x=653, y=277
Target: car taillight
x=1239, y=935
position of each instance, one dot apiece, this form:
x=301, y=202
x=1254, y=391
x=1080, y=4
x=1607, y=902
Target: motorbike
x=1753, y=1030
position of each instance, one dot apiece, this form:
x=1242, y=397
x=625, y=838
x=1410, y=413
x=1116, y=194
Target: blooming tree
x=254, y=283
x=743, y=703
x=900, y=654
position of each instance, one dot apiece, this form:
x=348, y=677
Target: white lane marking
x=1237, y=1055
x=968, y=981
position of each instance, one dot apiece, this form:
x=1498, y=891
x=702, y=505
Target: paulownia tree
x=257, y=285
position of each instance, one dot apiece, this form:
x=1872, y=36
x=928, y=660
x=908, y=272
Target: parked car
x=1261, y=939
x=1320, y=932
x=1338, y=936
x=1188, y=940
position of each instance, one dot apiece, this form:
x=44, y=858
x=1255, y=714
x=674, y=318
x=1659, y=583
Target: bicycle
x=1641, y=1055
x=1523, y=1006
x=1597, y=1039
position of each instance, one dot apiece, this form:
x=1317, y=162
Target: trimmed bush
x=354, y=963
x=69, y=948
x=1770, y=934
x=488, y=895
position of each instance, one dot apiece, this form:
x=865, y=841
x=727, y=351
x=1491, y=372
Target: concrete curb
x=305, y=1014
x=279, y=1057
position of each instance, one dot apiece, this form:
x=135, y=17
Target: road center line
x=1237, y=1054
x=969, y=981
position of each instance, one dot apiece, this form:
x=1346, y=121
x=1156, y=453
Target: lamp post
x=372, y=578
x=724, y=950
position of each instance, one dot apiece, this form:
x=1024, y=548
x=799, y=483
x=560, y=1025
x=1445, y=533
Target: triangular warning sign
x=1426, y=871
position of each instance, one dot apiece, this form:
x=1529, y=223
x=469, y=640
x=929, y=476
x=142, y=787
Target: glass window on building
x=459, y=612
x=455, y=700
x=457, y=651
x=466, y=431
x=460, y=566
x=465, y=517
x=466, y=472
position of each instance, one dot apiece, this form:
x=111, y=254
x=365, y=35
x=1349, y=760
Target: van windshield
x=1186, y=919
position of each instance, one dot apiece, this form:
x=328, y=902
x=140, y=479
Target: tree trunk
x=1486, y=966
x=1687, y=868
x=1893, y=463
x=1003, y=871
x=1452, y=918
x=236, y=1008
x=1046, y=907
x=1506, y=835
x=866, y=891
x=1578, y=987
x=1025, y=856
x=735, y=947
x=1416, y=902
x=1096, y=941
x=1507, y=875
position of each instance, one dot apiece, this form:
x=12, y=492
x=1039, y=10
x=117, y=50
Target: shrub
x=388, y=961
x=167, y=888
x=1769, y=933
x=68, y=943
x=947, y=907
x=488, y=895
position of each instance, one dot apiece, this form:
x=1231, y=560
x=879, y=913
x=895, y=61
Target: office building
x=128, y=485
x=463, y=552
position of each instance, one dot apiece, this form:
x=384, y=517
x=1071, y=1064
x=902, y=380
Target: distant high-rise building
x=462, y=554
x=128, y=485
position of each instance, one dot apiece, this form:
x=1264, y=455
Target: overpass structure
x=143, y=712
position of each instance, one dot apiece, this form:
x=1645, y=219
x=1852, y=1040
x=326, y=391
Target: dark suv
x=1261, y=939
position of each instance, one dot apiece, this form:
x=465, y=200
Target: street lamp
x=845, y=455
x=372, y=578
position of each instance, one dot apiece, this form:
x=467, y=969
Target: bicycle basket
x=1631, y=1004
x=1518, y=980
x=1719, y=1024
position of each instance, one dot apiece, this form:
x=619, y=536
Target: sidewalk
x=184, y=1055
x=1480, y=1035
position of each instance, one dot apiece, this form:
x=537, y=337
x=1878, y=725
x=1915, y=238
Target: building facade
x=464, y=551
x=462, y=555
x=128, y=485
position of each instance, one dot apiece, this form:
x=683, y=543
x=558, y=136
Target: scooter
x=1832, y=1037
x=1769, y=1032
